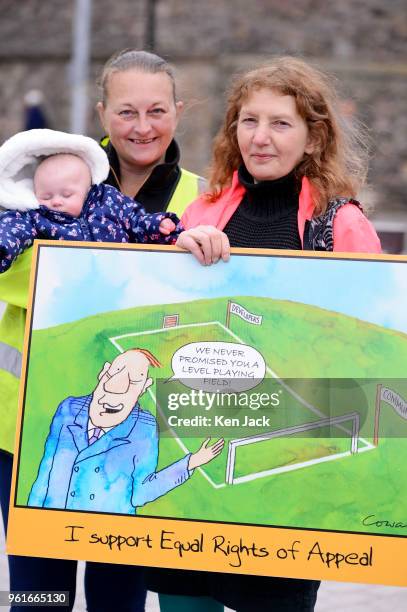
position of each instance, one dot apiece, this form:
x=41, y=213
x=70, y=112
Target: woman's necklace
x=120, y=185
x=116, y=178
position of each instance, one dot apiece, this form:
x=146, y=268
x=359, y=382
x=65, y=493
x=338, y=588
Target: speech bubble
x=221, y=367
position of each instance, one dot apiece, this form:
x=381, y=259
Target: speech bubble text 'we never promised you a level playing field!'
x=225, y=367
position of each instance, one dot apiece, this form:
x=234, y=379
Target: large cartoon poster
x=246, y=417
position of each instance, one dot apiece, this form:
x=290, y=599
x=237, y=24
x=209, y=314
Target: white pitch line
x=155, y=331
x=166, y=329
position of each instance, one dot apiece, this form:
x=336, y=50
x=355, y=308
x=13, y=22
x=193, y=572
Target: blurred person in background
x=34, y=112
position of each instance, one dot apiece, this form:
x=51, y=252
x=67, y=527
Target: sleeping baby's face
x=62, y=183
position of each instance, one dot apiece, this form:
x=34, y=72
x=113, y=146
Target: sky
x=75, y=282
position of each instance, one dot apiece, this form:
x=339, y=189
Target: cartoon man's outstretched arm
x=149, y=484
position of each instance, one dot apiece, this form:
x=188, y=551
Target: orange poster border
x=191, y=544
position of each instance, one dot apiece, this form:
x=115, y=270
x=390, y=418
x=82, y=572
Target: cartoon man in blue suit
x=102, y=450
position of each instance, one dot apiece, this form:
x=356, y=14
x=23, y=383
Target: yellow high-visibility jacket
x=13, y=291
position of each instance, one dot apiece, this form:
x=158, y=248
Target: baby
x=69, y=206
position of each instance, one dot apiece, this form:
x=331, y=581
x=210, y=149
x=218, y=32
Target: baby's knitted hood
x=21, y=154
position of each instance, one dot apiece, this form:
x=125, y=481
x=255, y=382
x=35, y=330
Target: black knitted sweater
x=267, y=214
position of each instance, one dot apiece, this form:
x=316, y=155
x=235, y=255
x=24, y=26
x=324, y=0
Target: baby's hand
x=167, y=226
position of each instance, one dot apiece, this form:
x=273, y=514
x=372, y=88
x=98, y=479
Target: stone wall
x=361, y=42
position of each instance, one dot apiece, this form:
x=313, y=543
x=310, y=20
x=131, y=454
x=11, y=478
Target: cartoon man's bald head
x=120, y=385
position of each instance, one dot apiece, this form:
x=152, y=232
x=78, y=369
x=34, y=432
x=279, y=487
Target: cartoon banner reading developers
x=246, y=417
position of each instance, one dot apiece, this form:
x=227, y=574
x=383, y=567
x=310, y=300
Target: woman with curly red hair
x=286, y=168
x=286, y=165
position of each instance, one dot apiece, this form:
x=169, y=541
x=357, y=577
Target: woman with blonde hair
x=139, y=110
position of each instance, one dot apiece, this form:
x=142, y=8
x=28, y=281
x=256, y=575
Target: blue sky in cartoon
x=76, y=282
